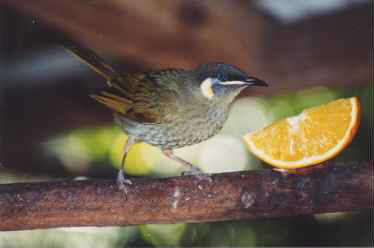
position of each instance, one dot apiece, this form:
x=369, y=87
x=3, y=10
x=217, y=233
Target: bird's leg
x=170, y=154
x=122, y=181
x=194, y=170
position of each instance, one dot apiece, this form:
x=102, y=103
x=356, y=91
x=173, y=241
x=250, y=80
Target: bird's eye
x=222, y=77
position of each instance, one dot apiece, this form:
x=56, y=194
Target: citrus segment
x=314, y=136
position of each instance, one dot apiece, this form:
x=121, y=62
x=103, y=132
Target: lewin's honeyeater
x=170, y=108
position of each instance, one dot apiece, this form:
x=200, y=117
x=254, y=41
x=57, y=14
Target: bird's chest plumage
x=191, y=128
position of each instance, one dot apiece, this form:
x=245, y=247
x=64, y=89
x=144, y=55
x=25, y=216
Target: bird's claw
x=123, y=182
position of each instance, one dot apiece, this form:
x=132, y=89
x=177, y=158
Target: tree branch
x=238, y=195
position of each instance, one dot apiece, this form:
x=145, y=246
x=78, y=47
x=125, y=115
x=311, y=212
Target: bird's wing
x=146, y=98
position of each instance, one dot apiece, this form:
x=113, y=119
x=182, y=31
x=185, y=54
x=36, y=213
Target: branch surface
x=237, y=195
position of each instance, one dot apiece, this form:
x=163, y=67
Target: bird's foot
x=123, y=182
x=199, y=174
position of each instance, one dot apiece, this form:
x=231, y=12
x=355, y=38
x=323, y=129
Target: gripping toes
x=123, y=182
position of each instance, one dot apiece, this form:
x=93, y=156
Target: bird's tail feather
x=114, y=97
x=92, y=60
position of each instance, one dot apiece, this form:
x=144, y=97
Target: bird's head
x=223, y=81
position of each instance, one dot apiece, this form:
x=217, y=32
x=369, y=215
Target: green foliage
x=248, y=233
x=163, y=234
x=313, y=97
x=68, y=237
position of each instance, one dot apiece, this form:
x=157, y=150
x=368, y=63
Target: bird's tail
x=92, y=60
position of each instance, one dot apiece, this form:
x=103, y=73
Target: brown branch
x=238, y=195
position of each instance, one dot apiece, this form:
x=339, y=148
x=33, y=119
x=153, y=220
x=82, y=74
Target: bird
x=170, y=108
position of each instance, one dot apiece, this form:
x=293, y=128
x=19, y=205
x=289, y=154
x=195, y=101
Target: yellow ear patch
x=206, y=88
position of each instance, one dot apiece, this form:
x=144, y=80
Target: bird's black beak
x=255, y=82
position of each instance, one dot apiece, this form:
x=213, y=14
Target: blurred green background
x=309, y=53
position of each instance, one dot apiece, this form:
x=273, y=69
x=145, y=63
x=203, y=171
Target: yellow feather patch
x=115, y=103
x=116, y=97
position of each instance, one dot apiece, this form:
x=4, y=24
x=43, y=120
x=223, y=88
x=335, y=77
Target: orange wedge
x=316, y=135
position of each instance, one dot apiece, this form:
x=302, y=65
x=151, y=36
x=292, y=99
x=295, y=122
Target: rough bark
x=238, y=195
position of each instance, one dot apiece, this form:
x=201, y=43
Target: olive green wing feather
x=146, y=98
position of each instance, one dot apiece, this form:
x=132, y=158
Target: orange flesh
x=309, y=138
